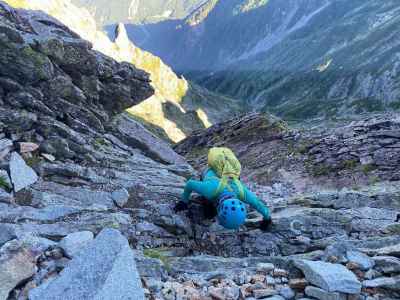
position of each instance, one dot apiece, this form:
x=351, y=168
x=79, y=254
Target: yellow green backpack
x=224, y=162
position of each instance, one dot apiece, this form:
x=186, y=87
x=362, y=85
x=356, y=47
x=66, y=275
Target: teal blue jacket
x=208, y=187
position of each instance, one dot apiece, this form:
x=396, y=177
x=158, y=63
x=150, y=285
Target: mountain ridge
x=307, y=59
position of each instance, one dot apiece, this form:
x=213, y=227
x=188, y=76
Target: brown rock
x=257, y=278
x=298, y=283
x=280, y=273
x=28, y=147
x=352, y=266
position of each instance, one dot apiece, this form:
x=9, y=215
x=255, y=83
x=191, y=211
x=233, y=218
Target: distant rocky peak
x=121, y=36
x=200, y=14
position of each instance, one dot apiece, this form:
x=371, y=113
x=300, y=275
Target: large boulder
x=73, y=243
x=330, y=277
x=16, y=265
x=106, y=269
x=22, y=175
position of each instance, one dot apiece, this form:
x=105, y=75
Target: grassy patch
x=33, y=160
x=349, y=164
x=157, y=254
x=321, y=170
x=368, y=168
x=99, y=143
x=4, y=184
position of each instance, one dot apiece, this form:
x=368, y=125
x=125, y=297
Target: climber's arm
x=204, y=188
x=257, y=204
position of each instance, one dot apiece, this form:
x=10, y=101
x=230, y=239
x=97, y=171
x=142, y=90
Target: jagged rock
x=134, y=134
x=17, y=263
x=363, y=261
x=372, y=274
x=264, y=293
x=330, y=277
x=392, y=283
x=287, y=293
x=324, y=295
x=49, y=157
x=120, y=197
x=265, y=268
x=7, y=233
x=73, y=243
x=5, y=197
x=104, y=270
x=387, y=264
x=21, y=174
x=393, y=250
x=5, y=147
x=231, y=293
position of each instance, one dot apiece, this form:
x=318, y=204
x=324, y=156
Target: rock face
x=105, y=270
x=58, y=93
x=361, y=152
x=177, y=107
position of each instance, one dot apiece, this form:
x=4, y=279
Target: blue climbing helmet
x=231, y=211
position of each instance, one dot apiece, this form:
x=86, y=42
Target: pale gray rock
x=73, y=243
x=287, y=293
x=7, y=233
x=21, y=174
x=392, y=283
x=330, y=277
x=104, y=270
x=387, y=264
x=321, y=294
x=361, y=259
x=120, y=197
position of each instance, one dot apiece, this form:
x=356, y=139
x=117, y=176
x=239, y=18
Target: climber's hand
x=266, y=224
x=180, y=206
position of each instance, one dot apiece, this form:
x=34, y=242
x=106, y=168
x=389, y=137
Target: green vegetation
x=321, y=170
x=368, y=168
x=324, y=169
x=349, y=164
x=99, y=142
x=303, y=147
x=158, y=254
x=4, y=184
x=33, y=160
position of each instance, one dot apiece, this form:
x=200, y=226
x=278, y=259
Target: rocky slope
x=171, y=91
x=86, y=193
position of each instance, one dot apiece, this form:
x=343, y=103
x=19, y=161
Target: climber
x=222, y=189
